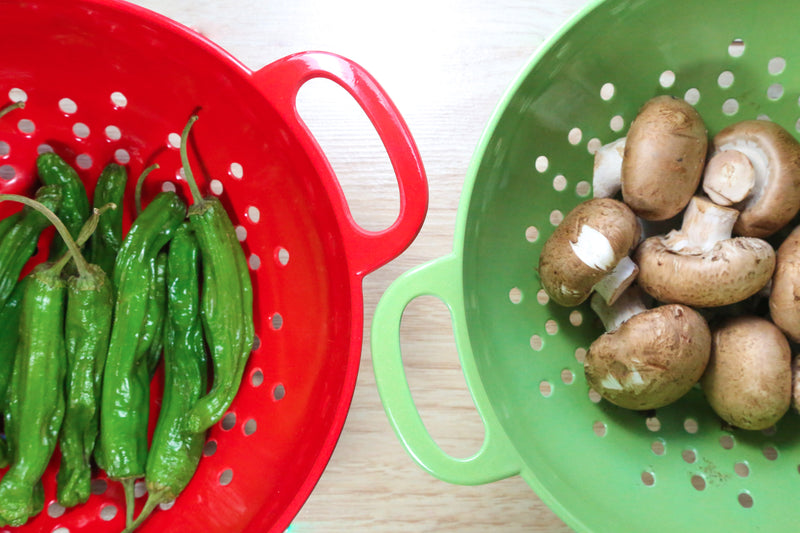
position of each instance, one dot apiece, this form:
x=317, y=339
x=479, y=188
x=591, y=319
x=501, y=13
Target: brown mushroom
x=648, y=358
x=665, y=153
x=773, y=198
x=701, y=265
x=589, y=251
x=784, y=296
x=748, y=381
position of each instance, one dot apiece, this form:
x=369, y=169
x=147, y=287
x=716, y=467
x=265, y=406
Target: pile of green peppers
x=84, y=332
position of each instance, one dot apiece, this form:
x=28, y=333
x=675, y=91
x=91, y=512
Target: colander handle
x=496, y=458
x=280, y=82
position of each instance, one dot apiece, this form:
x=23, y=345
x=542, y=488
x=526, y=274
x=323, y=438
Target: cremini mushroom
x=589, y=250
x=748, y=381
x=784, y=295
x=701, y=264
x=665, y=153
x=648, y=358
x=755, y=165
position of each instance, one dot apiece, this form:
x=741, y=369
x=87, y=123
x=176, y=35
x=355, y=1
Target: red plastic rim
x=109, y=81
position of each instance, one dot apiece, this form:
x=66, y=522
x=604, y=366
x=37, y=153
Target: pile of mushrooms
x=689, y=253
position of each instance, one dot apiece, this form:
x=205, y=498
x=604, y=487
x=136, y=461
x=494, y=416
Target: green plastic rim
x=600, y=468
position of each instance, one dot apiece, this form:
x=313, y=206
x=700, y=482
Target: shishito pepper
x=124, y=409
x=105, y=242
x=90, y=303
x=9, y=337
x=36, y=401
x=20, y=241
x=226, y=300
x=152, y=340
x=174, y=454
x=54, y=170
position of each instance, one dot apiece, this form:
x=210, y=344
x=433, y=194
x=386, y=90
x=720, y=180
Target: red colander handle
x=280, y=82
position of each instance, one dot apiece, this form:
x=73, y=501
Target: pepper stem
x=140, y=184
x=154, y=499
x=80, y=261
x=130, y=500
x=187, y=170
x=87, y=230
x=11, y=107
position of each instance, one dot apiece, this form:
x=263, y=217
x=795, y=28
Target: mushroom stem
x=607, y=174
x=729, y=177
x=758, y=159
x=704, y=224
x=619, y=279
x=629, y=304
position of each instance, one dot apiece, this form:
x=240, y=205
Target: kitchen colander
x=105, y=80
x=599, y=467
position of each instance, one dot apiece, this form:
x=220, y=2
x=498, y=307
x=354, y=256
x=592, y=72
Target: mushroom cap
x=748, y=381
x=652, y=359
x=773, y=203
x=603, y=227
x=665, y=154
x=731, y=271
x=784, y=297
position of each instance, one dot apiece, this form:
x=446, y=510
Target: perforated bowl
x=105, y=81
x=600, y=468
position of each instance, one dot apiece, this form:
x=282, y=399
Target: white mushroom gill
x=566, y=290
x=758, y=158
x=607, y=173
x=594, y=249
x=611, y=383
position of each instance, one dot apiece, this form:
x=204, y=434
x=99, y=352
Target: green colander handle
x=497, y=458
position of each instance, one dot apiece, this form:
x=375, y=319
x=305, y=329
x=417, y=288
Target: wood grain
x=446, y=65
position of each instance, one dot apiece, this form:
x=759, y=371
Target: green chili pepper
x=226, y=300
x=90, y=303
x=9, y=337
x=21, y=239
x=36, y=401
x=151, y=341
x=74, y=211
x=124, y=406
x=9, y=314
x=105, y=242
x=175, y=454
x=8, y=222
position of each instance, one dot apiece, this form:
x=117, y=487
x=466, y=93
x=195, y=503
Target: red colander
x=109, y=81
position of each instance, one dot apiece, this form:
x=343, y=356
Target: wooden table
x=446, y=65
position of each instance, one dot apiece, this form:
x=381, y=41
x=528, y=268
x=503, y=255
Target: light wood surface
x=446, y=65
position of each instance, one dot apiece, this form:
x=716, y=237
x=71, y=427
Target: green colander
x=599, y=467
